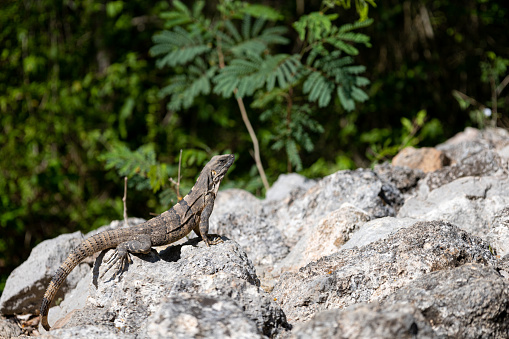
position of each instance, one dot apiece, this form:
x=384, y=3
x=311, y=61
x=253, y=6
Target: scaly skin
x=191, y=213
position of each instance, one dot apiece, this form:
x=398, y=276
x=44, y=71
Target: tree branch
x=124, y=200
x=502, y=85
x=245, y=118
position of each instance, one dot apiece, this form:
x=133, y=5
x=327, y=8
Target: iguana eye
x=214, y=172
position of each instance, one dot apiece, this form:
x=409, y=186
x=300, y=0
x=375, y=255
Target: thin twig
x=502, y=85
x=245, y=118
x=258, y=161
x=124, y=200
x=177, y=183
x=471, y=100
x=493, y=97
x=178, y=177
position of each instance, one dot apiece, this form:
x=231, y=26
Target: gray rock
x=199, y=316
x=257, y=235
x=75, y=299
x=235, y=201
x=361, y=188
x=403, y=178
x=377, y=229
x=471, y=301
x=255, y=303
x=325, y=237
x=470, y=203
x=378, y=269
x=498, y=237
x=86, y=332
x=9, y=329
x=457, y=152
x=367, y=321
x=483, y=163
x=223, y=270
x=287, y=187
x=26, y=285
x=472, y=141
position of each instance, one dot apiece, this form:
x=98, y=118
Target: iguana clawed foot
x=120, y=259
x=215, y=241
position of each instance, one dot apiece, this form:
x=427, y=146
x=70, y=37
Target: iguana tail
x=96, y=243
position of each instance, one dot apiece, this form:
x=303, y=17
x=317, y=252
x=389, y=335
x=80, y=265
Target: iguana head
x=216, y=169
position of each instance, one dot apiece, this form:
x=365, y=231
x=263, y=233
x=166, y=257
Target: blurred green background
x=80, y=105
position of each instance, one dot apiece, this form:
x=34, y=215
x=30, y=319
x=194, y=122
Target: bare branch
x=124, y=200
x=471, y=100
x=502, y=85
x=177, y=183
x=249, y=127
x=178, y=177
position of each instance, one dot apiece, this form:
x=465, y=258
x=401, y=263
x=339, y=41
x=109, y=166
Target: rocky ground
x=414, y=249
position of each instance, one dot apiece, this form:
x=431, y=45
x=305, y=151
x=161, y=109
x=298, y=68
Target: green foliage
x=493, y=68
x=66, y=92
x=145, y=172
x=255, y=72
x=140, y=166
x=361, y=6
x=234, y=55
x=294, y=128
x=385, y=144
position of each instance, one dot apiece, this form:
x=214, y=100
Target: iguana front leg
x=202, y=229
x=140, y=244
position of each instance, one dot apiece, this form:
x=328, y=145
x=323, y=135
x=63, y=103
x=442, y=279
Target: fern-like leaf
x=178, y=46
x=346, y=100
x=183, y=89
x=250, y=74
x=356, y=25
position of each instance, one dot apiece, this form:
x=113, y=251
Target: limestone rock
x=26, y=285
x=8, y=329
x=287, y=187
x=367, y=321
x=483, y=163
x=471, y=301
x=361, y=188
x=378, y=269
x=257, y=235
x=426, y=159
x=498, y=236
x=472, y=141
x=235, y=200
x=125, y=303
x=405, y=179
x=470, y=203
x=325, y=237
x=377, y=229
x=199, y=316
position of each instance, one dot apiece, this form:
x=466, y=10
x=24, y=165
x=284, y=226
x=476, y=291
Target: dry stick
x=124, y=199
x=258, y=161
x=179, y=197
x=502, y=85
x=249, y=127
x=472, y=101
x=494, y=100
x=177, y=184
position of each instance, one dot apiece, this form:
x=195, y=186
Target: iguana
x=190, y=213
